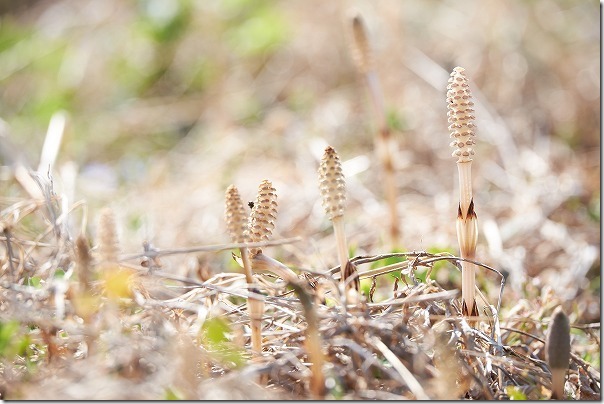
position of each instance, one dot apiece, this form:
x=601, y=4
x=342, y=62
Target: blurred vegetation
x=181, y=98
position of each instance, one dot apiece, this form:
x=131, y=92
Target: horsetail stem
x=461, y=120
x=237, y=225
x=83, y=263
x=260, y=227
x=236, y=221
x=384, y=144
x=264, y=213
x=557, y=351
x=333, y=191
x=108, y=240
x=360, y=50
x=255, y=309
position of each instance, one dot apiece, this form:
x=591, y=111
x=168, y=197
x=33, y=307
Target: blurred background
x=166, y=103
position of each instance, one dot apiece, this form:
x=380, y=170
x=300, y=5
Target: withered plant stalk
x=461, y=120
x=384, y=143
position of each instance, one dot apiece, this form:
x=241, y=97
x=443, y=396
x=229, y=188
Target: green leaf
x=215, y=331
x=515, y=393
x=34, y=281
x=8, y=333
x=171, y=395
x=366, y=286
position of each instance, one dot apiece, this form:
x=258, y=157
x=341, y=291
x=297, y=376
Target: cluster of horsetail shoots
x=333, y=192
x=361, y=54
x=461, y=125
x=557, y=351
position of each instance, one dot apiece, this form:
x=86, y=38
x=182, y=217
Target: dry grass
x=169, y=319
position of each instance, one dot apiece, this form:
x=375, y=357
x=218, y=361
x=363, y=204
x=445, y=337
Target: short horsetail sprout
x=236, y=220
x=264, y=213
x=260, y=228
x=361, y=54
x=557, y=352
x=333, y=190
x=461, y=120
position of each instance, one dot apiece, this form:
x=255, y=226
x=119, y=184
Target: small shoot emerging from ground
x=557, y=351
x=237, y=225
x=333, y=191
x=461, y=120
x=384, y=144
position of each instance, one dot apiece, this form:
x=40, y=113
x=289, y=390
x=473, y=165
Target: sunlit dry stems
x=557, y=351
x=384, y=144
x=108, y=240
x=461, y=125
x=236, y=220
x=333, y=191
x=264, y=213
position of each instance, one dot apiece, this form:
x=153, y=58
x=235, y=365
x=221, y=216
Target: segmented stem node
x=235, y=216
x=264, y=213
x=461, y=115
x=332, y=184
